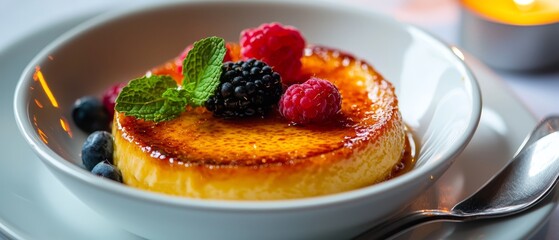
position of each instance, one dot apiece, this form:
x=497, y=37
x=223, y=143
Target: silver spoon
x=526, y=180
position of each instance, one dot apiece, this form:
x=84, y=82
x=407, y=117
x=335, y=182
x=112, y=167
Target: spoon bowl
x=530, y=177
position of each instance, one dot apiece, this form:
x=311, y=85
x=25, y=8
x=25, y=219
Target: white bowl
x=439, y=99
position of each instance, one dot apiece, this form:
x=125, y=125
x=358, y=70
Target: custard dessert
x=197, y=155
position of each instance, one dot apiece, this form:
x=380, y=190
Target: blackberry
x=247, y=88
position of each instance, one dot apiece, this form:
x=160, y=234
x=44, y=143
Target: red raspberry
x=313, y=101
x=279, y=46
x=184, y=53
x=109, y=97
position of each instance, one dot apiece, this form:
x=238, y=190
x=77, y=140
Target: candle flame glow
x=524, y=2
x=516, y=12
x=39, y=104
x=66, y=127
x=524, y=5
x=43, y=136
x=38, y=76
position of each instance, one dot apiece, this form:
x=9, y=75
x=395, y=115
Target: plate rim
x=4, y=224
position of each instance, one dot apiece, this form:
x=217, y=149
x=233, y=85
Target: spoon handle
x=547, y=126
x=392, y=227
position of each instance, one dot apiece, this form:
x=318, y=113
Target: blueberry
x=97, y=147
x=90, y=114
x=107, y=170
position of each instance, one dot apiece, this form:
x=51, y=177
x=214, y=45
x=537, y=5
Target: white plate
x=34, y=205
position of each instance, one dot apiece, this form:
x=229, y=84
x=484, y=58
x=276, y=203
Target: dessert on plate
x=281, y=119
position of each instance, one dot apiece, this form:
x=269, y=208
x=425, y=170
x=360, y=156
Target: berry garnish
x=109, y=97
x=97, y=147
x=90, y=114
x=246, y=88
x=107, y=170
x=279, y=46
x=313, y=101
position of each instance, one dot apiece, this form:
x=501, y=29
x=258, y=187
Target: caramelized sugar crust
x=197, y=155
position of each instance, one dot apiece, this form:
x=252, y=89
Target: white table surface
x=539, y=91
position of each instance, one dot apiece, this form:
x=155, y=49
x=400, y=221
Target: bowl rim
x=58, y=163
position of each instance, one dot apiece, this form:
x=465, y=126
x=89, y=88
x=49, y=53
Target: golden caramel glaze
x=200, y=156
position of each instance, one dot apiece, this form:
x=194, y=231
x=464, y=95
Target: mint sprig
x=154, y=98
x=201, y=69
x=159, y=98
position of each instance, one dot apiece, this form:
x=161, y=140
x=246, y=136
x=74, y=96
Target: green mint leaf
x=158, y=98
x=154, y=98
x=202, y=68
